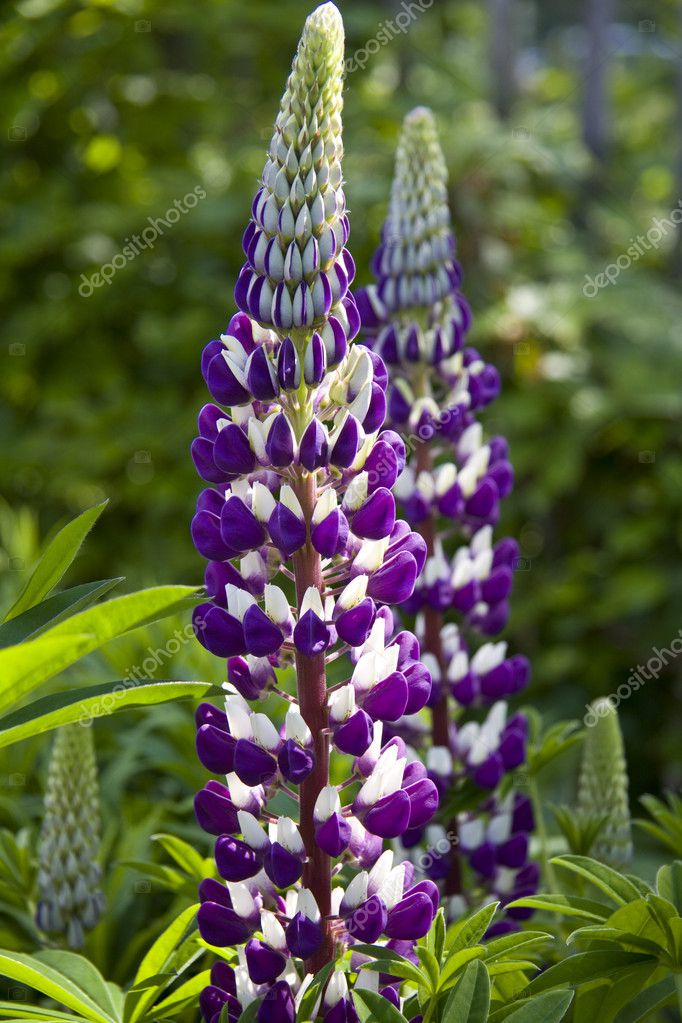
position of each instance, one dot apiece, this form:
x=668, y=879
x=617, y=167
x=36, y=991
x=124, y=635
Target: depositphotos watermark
x=635, y=250
x=132, y=247
x=387, y=31
x=644, y=673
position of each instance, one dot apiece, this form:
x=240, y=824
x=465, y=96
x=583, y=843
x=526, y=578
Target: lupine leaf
x=625, y=939
x=156, y=961
x=647, y=1001
x=547, y=1008
x=669, y=884
x=456, y=962
x=567, y=905
x=374, y=1006
x=67, y=708
x=185, y=994
x=311, y=995
x=12, y=1011
x=56, y=559
x=509, y=943
x=616, y=886
x=470, y=999
x=385, y=960
x=53, y=984
x=471, y=929
x=586, y=966
x=183, y=853
x=52, y=610
x=25, y=666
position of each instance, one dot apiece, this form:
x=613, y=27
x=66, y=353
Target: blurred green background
x=562, y=127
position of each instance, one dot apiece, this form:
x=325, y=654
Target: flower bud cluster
x=70, y=898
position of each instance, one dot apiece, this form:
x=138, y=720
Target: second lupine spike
x=70, y=897
x=415, y=317
x=305, y=553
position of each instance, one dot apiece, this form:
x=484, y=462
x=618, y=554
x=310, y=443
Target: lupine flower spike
x=416, y=319
x=603, y=786
x=304, y=554
x=70, y=898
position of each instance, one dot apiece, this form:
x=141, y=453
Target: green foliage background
x=112, y=110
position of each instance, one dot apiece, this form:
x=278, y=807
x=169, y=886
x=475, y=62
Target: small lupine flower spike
x=305, y=553
x=603, y=785
x=450, y=489
x=70, y=898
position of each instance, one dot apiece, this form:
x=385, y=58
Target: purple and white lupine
x=416, y=319
x=305, y=555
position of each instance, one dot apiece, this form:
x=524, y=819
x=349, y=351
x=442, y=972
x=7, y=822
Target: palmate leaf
x=373, y=1006
x=647, y=1001
x=83, y=706
x=25, y=666
x=160, y=960
x=184, y=996
x=470, y=998
x=52, y=610
x=567, y=905
x=469, y=930
x=74, y=988
x=56, y=559
x=547, y=1008
x=620, y=888
x=587, y=966
x=385, y=960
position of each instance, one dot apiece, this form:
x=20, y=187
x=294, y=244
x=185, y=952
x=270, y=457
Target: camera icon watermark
x=16, y=780
x=143, y=887
x=647, y=25
x=16, y=348
x=521, y=133
x=16, y=564
x=143, y=25
x=522, y=565
x=646, y=457
x=17, y=133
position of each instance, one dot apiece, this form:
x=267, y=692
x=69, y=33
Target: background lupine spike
x=603, y=785
x=417, y=230
x=70, y=897
x=451, y=487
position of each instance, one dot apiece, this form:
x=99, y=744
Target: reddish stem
x=311, y=683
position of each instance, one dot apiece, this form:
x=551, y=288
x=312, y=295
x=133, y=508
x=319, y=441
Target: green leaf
x=307, y=1005
x=470, y=929
x=84, y=974
x=13, y=1010
x=647, y=1001
x=52, y=610
x=385, y=960
x=669, y=884
x=567, y=905
x=374, y=1006
x=456, y=962
x=512, y=943
x=183, y=853
x=470, y=998
x=185, y=995
x=59, y=709
x=158, y=955
x=52, y=983
x=56, y=559
x=586, y=966
x=548, y=1008
x=616, y=886
x=26, y=666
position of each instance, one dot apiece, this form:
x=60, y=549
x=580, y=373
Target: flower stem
x=312, y=697
x=541, y=826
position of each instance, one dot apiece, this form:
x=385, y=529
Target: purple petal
x=281, y=866
x=232, y=451
x=303, y=936
x=376, y=518
x=221, y=926
x=288, y=533
x=215, y=749
x=333, y=835
x=263, y=962
x=295, y=762
x=215, y=811
x=252, y=764
x=261, y=636
x=329, y=537
x=311, y=635
x=235, y=859
x=218, y=631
